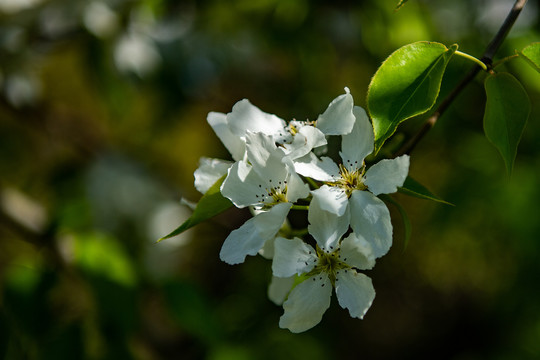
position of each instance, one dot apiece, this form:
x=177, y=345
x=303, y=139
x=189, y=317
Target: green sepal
x=531, y=54
x=407, y=84
x=412, y=187
x=506, y=114
x=211, y=204
x=407, y=226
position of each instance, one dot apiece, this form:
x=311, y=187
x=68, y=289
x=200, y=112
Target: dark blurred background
x=103, y=110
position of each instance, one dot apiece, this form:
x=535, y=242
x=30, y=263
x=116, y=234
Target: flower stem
x=503, y=60
x=299, y=233
x=300, y=207
x=473, y=59
x=487, y=58
x=312, y=183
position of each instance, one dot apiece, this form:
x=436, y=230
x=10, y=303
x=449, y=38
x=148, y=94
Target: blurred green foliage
x=102, y=122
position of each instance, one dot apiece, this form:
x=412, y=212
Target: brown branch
x=487, y=58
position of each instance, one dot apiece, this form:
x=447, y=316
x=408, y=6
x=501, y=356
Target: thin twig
x=487, y=58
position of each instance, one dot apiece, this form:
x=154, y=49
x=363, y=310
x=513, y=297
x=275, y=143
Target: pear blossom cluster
x=278, y=166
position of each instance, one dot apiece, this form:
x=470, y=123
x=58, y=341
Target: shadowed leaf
x=507, y=111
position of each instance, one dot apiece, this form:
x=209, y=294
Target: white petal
x=331, y=199
x=209, y=171
x=359, y=143
x=306, y=304
x=385, y=176
x=296, y=188
x=307, y=138
x=370, y=219
x=250, y=237
x=265, y=157
x=292, y=256
x=357, y=252
x=246, y=117
x=267, y=250
x=323, y=170
x=234, y=143
x=355, y=292
x=326, y=227
x=338, y=118
x=279, y=288
x=241, y=185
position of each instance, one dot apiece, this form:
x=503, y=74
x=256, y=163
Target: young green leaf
x=211, y=204
x=507, y=111
x=405, y=85
x=532, y=54
x=412, y=187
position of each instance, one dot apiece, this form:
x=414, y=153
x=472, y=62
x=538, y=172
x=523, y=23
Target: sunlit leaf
x=211, y=204
x=532, y=54
x=507, y=111
x=405, y=85
x=407, y=227
x=414, y=188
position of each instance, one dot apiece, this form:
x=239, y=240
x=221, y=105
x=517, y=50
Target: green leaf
x=400, y=4
x=507, y=111
x=405, y=85
x=532, y=55
x=407, y=227
x=412, y=187
x=211, y=204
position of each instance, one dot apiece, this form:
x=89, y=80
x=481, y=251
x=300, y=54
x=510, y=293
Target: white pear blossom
x=297, y=138
x=350, y=191
x=322, y=270
x=266, y=180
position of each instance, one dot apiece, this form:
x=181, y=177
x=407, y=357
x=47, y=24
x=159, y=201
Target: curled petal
x=355, y=292
x=251, y=236
x=370, y=218
x=307, y=138
x=387, y=175
x=279, y=288
x=357, y=252
x=306, y=304
x=322, y=170
x=234, y=143
x=241, y=185
x=292, y=256
x=265, y=157
x=247, y=117
x=331, y=199
x=326, y=227
x=208, y=172
x=338, y=118
x=359, y=143
x=296, y=188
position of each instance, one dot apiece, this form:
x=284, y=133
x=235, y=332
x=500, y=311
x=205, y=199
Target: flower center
x=330, y=263
x=351, y=179
x=273, y=195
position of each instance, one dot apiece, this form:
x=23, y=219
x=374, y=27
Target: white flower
x=266, y=181
x=308, y=301
x=297, y=138
x=350, y=191
x=210, y=171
